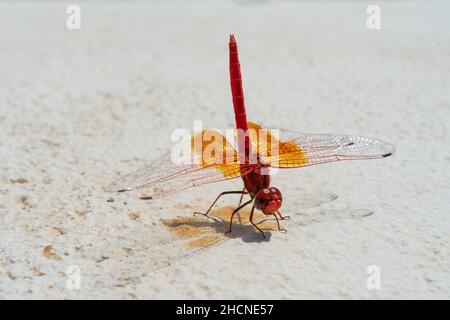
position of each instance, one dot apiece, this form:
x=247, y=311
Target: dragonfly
x=259, y=150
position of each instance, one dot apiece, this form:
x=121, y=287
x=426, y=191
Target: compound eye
x=276, y=194
x=266, y=193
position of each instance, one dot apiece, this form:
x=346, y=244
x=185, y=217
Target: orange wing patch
x=286, y=154
x=214, y=150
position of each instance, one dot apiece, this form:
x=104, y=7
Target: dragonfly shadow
x=201, y=232
x=218, y=226
x=250, y=234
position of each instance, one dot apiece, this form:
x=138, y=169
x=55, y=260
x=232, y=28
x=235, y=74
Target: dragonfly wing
x=310, y=150
x=210, y=159
x=301, y=150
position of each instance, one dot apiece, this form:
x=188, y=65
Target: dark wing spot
x=146, y=198
x=387, y=155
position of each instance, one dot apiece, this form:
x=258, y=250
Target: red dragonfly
x=255, y=155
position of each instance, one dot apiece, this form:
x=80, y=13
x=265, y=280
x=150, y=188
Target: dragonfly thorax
x=268, y=200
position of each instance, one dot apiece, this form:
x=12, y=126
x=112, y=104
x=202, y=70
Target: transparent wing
x=293, y=149
x=207, y=158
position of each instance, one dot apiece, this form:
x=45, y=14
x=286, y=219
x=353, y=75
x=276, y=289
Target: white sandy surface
x=79, y=107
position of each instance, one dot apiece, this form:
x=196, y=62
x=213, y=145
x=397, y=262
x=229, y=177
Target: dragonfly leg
x=234, y=212
x=251, y=221
x=242, y=196
x=212, y=205
x=283, y=218
x=278, y=224
x=240, y=202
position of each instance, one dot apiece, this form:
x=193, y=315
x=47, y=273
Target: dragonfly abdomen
x=238, y=98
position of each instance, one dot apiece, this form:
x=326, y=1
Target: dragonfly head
x=268, y=200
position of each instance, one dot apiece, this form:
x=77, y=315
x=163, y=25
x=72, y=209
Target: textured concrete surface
x=79, y=107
